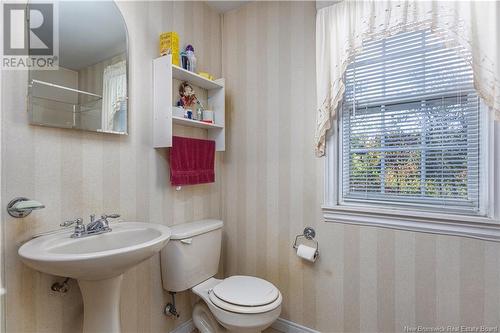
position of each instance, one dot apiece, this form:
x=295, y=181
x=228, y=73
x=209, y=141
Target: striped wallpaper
x=76, y=173
x=269, y=186
x=366, y=279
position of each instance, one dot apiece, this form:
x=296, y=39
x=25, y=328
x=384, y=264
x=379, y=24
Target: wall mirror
x=89, y=89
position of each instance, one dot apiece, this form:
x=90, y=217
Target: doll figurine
x=187, y=94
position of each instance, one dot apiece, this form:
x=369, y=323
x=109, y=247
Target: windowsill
x=434, y=223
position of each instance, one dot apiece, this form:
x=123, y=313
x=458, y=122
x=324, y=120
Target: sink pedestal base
x=101, y=305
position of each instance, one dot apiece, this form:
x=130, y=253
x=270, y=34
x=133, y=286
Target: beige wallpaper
x=366, y=279
x=76, y=173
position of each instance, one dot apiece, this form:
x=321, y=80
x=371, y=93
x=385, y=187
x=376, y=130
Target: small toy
x=188, y=59
x=187, y=94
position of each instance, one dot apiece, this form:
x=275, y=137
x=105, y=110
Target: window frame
x=482, y=226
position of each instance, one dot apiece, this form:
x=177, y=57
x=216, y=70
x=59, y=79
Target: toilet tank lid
x=190, y=229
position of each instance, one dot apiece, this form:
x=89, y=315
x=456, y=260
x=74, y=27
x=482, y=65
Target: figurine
x=187, y=94
x=188, y=59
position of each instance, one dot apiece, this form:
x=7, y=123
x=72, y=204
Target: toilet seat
x=245, y=294
x=236, y=319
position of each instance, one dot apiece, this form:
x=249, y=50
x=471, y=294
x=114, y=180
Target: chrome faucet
x=100, y=225
x=95, y=227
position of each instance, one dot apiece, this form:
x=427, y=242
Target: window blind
x=410, y=125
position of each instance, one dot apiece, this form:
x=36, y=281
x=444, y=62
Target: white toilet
x=238, y=303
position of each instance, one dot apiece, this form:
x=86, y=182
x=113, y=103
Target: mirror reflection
x=89, y=90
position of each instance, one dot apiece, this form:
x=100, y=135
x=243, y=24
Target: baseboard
x=287, y=326
x=282, y=325
x=186, y=327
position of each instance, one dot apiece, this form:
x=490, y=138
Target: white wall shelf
x=163, y=75
x=198, y=80
x=194, y=123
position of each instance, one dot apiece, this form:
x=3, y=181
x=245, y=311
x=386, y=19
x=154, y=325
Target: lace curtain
x=114, y=93
x=342, y=28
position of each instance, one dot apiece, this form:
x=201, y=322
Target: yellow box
x=169, y=44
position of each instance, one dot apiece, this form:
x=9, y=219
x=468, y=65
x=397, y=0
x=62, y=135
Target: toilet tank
x=192, y=254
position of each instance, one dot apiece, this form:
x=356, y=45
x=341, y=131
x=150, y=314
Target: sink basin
x=98, y=263
x=95, y=257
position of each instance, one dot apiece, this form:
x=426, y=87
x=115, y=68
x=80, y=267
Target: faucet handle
x=78, y=222
x=110, y=216
x=105, y=217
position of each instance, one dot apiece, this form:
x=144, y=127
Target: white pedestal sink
x=98, y=263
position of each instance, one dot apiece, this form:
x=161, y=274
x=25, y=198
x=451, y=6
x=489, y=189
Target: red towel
x=191, y=161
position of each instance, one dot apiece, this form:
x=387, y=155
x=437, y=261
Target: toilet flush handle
x=187, y=241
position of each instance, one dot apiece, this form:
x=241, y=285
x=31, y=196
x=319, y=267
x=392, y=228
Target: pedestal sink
x=98, y=263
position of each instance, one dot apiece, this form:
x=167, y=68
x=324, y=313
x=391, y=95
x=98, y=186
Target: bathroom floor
x=269, y=330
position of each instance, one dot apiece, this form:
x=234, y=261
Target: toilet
x=190, y=260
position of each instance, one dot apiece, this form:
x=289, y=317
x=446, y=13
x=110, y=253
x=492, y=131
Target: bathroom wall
x=76, y=173
x=366, y=279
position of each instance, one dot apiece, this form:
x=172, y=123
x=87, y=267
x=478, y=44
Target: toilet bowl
x=242, y=304
x=238, y=315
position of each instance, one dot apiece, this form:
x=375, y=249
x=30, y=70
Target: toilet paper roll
x=306, y=252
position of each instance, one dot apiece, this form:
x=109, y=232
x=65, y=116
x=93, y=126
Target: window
x=410, y=134
x=114, y=100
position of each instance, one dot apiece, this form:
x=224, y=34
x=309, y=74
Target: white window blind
x=410, y=125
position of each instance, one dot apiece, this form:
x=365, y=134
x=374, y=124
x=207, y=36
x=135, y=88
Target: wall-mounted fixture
x=22, y=207
x=306, y=252
x=165, y=74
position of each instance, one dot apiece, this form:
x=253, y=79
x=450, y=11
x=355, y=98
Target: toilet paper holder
x=309, y=234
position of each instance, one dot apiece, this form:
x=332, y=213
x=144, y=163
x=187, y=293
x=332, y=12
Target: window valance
x=341, y=30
